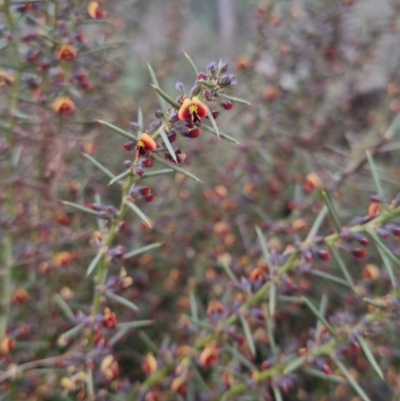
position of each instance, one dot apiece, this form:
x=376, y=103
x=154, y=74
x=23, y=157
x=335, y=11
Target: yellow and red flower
x=145, y=144
x=109, y=319
x=208, y=357
x=66, y=52
x=95, y=11
x=192, y=110
x=63, y=105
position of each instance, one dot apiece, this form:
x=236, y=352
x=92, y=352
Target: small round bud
x=202, y=76
x=155, y=125
x=212, y=67
x=145, y=191
x=147, y=162
x=172, y=137
x=359, y=253
x=226, y=104
x=224, y=68
x=207, y=95
x=127, y=164
x=180, y=87
x=134, y=126
x=195, y=90
x=323, y=254
x=224, y=80
x=159, y=114
x=139, y=171
x=149, y=198
x=129, y=146
x=215, y=114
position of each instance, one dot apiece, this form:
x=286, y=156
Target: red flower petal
x=184, y=113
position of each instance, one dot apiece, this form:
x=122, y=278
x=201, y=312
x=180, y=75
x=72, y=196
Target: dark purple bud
x=146, y=162
x=202, y=76
x=359, y=253
x=323, y=254
x=195, y=90
x=319, y=240
x=130, y=145
x=226, y=104
x=307, y=255
x=215, y=114
x=224, y=68
x=112, y=211
x=383, y=232
x=139, y=171
x=212, y=68
x=134, y=126
x=127, y=164
x=97, y=207
x=224, y=80
x=155, y=125
x=207, y=95
x=172, y=137
x=345, y=235
x=376, y=198
x=159, y=114
x=362, y=239
x=149, y=198
x=357, y=220
x=117, y=253
x=180, y=87
x=394, y=229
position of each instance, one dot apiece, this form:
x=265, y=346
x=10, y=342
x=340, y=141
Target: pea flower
x=63, y=105
x=192, y=110
x=66, y=52
x=146, y=143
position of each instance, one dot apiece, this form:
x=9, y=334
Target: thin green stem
x=102, y=268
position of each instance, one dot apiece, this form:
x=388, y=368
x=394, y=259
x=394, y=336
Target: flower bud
x=226, y=104
x=180, y=87
x=195, y=91
x=172, y=137
x=146, y=162
x=139, y=171
x=363, y=240
x=109, y=319
x=207, y=95
x=359, y=253
x=159, y=114
x=323, y=254
x=224, y=80
x=224, y=68
x=154, y=125
x=208, y=357
x=145, y=191
x=134, y=126
x=130, y=145
x=212, y=68
x=127, y=164
x=215, y=114
x=149, y=198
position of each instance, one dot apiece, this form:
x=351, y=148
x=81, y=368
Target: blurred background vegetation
x=323, y=82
